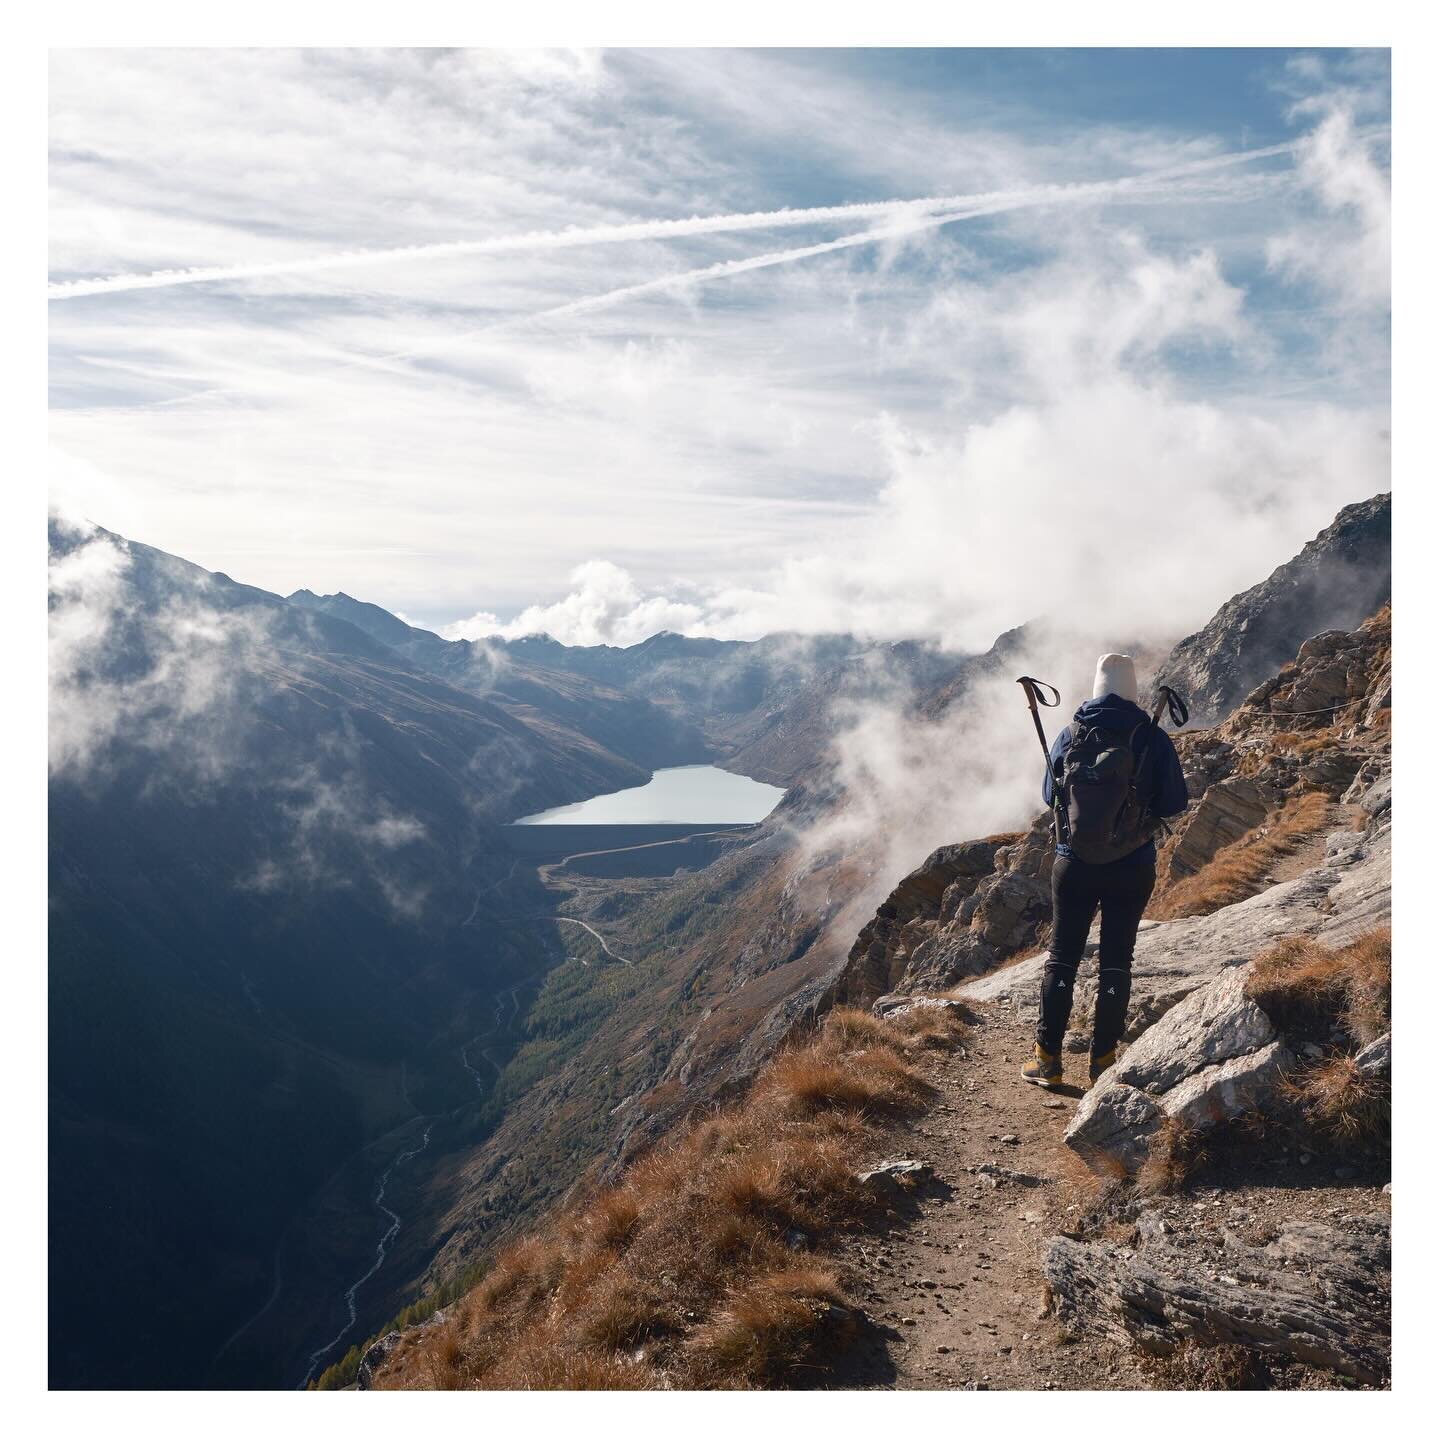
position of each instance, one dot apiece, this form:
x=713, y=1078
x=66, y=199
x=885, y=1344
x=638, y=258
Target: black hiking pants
x=1119, y=891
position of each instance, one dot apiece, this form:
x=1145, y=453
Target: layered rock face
x=1320, y=724
x=1338, y=579
x=1317, y=1293
x=958, y=914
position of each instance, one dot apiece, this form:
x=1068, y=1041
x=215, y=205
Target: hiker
x=1118, y=776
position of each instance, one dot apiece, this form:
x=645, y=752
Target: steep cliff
x=1338, y=579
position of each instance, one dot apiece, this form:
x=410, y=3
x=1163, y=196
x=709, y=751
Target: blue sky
x=1101, y=309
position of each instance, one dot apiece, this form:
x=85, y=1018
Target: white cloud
x=1346, y=252
x=1087, y=495
x=606, y=607
x=751, y=453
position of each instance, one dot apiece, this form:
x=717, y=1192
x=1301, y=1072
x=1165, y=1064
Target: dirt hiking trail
x=955, y=1290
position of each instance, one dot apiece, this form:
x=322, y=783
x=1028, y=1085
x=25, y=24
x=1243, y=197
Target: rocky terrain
x=1286, y=843
x=1338, y=579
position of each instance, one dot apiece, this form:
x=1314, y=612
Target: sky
x=725, y=342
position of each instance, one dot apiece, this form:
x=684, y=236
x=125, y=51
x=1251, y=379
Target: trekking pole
x=1167, y=698
x=1169, y=701
x=1035, y=696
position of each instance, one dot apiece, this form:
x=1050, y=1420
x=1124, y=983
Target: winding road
x=568, y=920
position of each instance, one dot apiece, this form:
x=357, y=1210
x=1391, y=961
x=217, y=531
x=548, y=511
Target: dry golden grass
x=1337, y=1098
x=773, y=1327
x=1175, y=1153
x=1240, y=869
x=705, y=1265
x=1309, y=989
x=1305, y=987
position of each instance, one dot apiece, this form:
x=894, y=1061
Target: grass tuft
x=1307, y=988
x=774, y=1326
x=1337, y=1098
x=1175, y=1153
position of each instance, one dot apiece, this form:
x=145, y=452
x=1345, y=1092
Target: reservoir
x=680, y=795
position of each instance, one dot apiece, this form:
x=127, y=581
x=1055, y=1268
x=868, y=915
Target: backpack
x=1105, y=816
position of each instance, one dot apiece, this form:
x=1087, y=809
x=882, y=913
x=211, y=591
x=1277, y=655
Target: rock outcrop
x=1316, y=1293
x=1212, y=1057
x=1228, y=809
x=1338, y=579
x=962, y=912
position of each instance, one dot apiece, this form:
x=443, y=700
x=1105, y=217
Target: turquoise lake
x=681, y=795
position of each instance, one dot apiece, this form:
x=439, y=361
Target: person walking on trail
x=1118, y=776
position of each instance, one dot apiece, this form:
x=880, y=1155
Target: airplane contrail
x=718, y=271
x=604, y=300
x=638, y=230
x=906, y=224
x=916, y=221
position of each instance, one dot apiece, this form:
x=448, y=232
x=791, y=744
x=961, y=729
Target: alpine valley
x=330, y=1036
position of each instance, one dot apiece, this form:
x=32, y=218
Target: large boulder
x=1216, y=1023
x=1212, y=1057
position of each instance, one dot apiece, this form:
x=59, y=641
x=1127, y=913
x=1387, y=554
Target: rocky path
x=954, y=1291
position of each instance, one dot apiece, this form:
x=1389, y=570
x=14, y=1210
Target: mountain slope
x=569, y=703
x=765, y=707
x=971, y=1250
x=280, y=905
x=1338, y=579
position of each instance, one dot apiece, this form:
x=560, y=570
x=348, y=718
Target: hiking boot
x=1043, y=1069
x=1099, y=1064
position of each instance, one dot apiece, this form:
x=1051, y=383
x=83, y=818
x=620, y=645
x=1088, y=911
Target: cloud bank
x=735, y=426
x=1083, y=495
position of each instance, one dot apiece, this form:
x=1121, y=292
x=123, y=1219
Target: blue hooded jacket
x=1160, y=774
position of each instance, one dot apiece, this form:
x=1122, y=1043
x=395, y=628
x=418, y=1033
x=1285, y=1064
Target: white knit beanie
x=1115, y=675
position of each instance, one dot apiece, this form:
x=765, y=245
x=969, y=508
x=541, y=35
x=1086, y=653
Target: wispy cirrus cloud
x=453, y=430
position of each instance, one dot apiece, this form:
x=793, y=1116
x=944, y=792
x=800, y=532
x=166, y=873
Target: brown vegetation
x=705, y=1266
x=1308, y=988
x=1241, y=869
x=1175, y=1153
x=1339, y=1099
x=1338, y=1000
x=1210, y=1367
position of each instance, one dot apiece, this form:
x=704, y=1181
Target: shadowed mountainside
x=765, y=707
x=279, y=902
